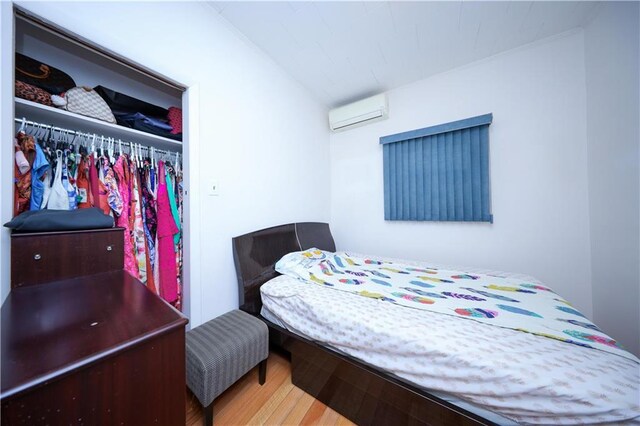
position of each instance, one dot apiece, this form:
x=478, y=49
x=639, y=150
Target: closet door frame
x=7, y=37
x=191, y=279
x=190, y=151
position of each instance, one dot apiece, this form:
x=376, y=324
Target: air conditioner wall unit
x=359, y=113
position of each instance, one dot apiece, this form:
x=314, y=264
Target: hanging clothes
x=149, y=201
x=121, y=170
x=83, y=185
x=40, y=167
x=59, y=197
x=152, y=188
x=103, y=193
x=94, y=181
x=170, y=176
x=148, y=210
x=166, y=230
x=46, y=181
x=111, y=185
x=24, y=155
x=149, y=249
x=144, y=198
x=180, y=201
x=156, y=268
x=172, y=189
x=21, y=161
x=68, y=185
x=138, y=226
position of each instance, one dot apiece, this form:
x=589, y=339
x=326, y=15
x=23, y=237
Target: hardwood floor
x=277, y=402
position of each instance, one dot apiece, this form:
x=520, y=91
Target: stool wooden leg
x=262, y=371
x=208, y=414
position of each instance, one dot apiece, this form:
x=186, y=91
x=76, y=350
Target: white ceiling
x=344, y=51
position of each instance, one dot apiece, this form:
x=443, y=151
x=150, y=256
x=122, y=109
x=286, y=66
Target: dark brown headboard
x=256, y=253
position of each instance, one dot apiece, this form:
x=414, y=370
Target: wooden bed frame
x=361, y=392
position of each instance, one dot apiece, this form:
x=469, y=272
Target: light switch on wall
x=214, y=188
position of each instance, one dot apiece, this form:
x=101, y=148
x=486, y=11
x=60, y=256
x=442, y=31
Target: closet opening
x=152, y=118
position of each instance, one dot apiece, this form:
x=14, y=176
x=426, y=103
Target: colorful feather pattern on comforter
x=497, y=301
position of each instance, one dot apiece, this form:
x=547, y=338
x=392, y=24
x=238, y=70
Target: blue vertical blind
x=439, y=173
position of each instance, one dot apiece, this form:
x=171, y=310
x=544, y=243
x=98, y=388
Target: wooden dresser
x=98, y=349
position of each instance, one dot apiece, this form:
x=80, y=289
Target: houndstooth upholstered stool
x=221, y=351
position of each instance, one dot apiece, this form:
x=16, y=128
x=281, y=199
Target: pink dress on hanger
x=139, y=246
x=166, y=250
x=121, y=169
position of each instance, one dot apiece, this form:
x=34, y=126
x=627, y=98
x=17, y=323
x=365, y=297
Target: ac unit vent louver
x=359, y=113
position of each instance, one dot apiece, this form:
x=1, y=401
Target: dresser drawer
x=43, y=257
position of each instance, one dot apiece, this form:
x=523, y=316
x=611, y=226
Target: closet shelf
x=61, y=118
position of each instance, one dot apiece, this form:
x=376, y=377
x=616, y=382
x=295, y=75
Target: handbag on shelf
x=32, y=93
x=46, y=77
x=85, y=101
x=175, y=119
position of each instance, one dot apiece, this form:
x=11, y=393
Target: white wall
x=613, y=135
x=538, y=163
x=262, y=136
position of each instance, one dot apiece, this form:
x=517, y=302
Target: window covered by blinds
x=439, y=173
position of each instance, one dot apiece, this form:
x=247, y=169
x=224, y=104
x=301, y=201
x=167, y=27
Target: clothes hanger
x=67, y=143
x=72, y=143
x=82, y=149
x=53, y=136
x=112, y=150
x=50, y=138
x=93, y=144
x=30, y=129
x=84, y=142
x=137, y=156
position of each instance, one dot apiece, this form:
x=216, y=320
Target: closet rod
x=54, y=29
x=80, y=133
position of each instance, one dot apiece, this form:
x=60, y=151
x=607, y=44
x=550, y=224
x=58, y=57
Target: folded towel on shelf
x=60, y=220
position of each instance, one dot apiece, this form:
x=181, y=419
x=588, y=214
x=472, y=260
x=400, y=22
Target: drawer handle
x=109, y=248
x=37, y=257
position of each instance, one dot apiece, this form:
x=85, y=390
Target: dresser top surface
x=51, y=329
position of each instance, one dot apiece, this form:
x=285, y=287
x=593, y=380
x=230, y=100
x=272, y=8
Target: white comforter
x=524, y=377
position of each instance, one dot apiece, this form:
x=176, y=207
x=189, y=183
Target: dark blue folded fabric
x=121, y=103
x=144, y=127
x=129, y=118
x=60, y=220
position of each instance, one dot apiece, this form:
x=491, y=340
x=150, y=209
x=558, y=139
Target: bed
x=371, y=390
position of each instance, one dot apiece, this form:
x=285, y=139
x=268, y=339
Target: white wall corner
x=612, y=45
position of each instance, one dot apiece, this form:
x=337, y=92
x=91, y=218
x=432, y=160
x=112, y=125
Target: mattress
x=522, y=377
